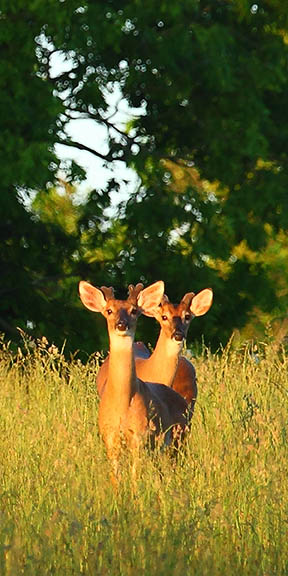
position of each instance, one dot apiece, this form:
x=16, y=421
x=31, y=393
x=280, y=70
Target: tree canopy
x=206, y=83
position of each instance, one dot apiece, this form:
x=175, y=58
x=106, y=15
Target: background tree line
x=207, y=85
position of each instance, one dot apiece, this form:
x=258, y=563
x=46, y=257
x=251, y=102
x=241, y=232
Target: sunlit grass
x=222, y=510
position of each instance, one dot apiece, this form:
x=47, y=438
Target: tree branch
x=73, y=144
x=90, y=115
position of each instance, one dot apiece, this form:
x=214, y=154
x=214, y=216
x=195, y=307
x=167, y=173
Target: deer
x=132, y=411
x=166, y=365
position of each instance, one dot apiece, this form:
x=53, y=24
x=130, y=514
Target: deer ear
x=202, y=302
x=92, y=297
x=149, y=299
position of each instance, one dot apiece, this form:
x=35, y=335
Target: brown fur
x=131, y=410
x=166, y=365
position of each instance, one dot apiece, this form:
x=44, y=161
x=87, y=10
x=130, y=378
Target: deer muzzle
x=122, y=326
x=178, y=336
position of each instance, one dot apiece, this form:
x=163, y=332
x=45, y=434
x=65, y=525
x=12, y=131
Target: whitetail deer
x=130, y=409
x=166, y=365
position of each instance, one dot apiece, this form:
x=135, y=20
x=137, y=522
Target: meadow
x=221, y=509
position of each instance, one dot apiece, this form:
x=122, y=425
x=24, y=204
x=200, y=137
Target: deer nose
x=122, y=326
x=178, y=336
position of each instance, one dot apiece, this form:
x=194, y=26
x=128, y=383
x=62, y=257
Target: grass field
x=222, y=510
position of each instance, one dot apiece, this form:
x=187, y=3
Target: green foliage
x=207, y=86
x=222, y=509
x=28, y=250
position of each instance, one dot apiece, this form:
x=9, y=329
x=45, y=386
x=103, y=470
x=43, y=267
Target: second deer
x=166, y=365
x=130, y=409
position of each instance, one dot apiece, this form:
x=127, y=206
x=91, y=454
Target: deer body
x=185, y=382
x=170, y=368
x=130, y=410
x=121, y=401
x=166, y=365
x=162, y=364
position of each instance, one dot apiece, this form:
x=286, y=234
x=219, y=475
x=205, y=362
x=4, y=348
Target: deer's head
x=175, y=319
x=122, y=315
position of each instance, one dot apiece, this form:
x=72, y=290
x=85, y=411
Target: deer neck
x=121, y=382
x=164, y=360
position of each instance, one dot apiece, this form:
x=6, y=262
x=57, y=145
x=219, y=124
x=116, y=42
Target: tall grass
x=221, y=510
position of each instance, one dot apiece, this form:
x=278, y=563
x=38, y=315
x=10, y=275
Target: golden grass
x=222, y=510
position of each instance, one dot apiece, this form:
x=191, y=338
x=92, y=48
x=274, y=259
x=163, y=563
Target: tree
x=212, y=79
x=207, y=85
x=38, y=241
x=27, y=113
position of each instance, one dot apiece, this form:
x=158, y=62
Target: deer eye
x=164, y=317
x=109, y=311
x=134, y=311
x=187, y=317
